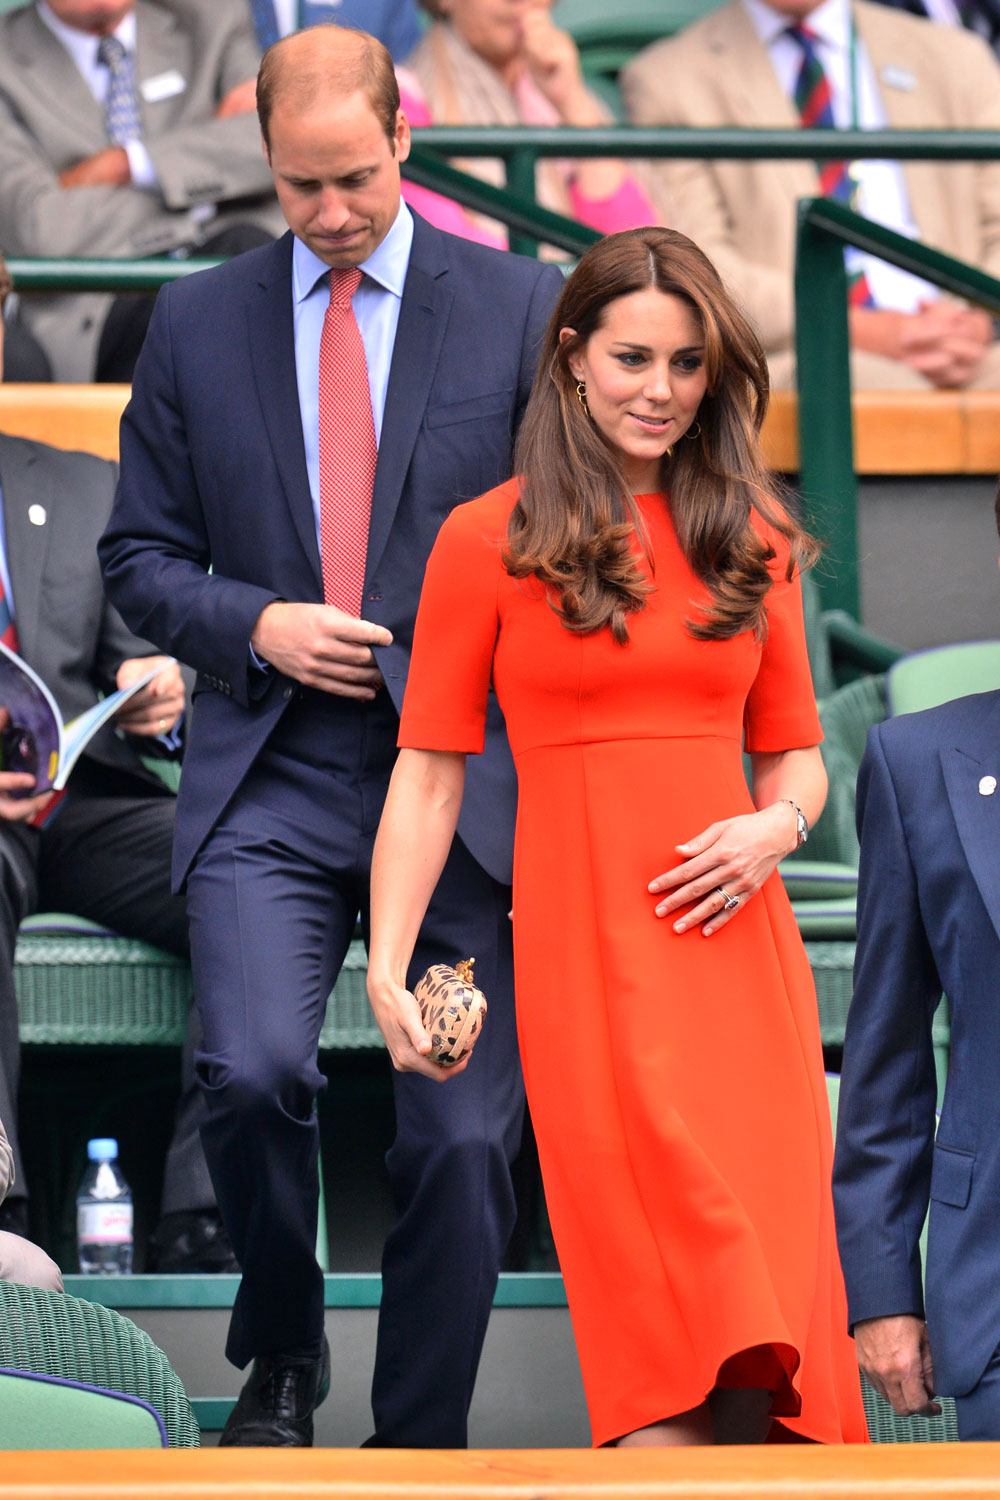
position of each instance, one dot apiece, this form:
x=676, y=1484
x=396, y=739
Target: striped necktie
x=347, y=451
x=814, y=102
x=8, y=630
x=122, y=117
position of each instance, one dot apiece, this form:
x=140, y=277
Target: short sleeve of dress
x=780, y=711
x=452, y=661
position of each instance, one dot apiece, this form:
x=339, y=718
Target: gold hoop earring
x=581, y=395
x=693, y=433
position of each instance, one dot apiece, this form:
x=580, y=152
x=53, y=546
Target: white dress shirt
x=881, y=187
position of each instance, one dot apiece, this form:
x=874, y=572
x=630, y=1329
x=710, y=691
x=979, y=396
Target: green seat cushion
x=42, y=1411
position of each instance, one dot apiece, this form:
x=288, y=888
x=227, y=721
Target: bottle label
x=104, y=1223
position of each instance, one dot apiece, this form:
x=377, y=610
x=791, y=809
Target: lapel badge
x=895, y=77
x=36, y=515
x=987, y=786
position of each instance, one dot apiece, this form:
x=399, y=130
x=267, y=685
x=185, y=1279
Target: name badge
x=898, y=78
x=162, y=86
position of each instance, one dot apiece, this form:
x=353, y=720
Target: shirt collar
x=82, y=45
x=387, y=265
x=831, y=22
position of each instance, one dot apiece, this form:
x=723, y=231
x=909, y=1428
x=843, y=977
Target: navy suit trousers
x=273, y=899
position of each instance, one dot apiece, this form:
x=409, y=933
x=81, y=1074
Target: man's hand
x=944, y=341
x=18, y=809
x=107, y=168
x=154, y=709
x=895, y=1354
x=241, y=100
x=321, y=647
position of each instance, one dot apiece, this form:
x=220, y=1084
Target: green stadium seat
x=925, y=679
x=51, y=1333
x=42, y=1412
x=608, y=35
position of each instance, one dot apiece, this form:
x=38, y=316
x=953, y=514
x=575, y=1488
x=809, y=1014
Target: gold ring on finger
x=163, y=726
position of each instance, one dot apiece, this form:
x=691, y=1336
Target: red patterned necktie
x=347, y=451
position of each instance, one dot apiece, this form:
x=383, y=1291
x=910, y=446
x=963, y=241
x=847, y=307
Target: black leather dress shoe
x=276, y=1405
x=193, y=1243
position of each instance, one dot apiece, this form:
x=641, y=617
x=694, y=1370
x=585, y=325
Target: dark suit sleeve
x=544, y=297
x=156, y=550
x=885, y=1131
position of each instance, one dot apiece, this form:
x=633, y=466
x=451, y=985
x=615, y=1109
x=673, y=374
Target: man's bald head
x=324, y=61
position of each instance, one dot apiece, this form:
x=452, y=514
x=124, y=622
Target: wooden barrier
x=896, y=432
x=971, y=1471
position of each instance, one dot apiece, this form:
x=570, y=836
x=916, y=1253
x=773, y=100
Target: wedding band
x=163, y=726
x=729, y=903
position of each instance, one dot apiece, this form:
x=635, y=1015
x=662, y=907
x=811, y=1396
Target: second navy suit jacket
x=214, y=477
x=55, y=505
x=928, y=920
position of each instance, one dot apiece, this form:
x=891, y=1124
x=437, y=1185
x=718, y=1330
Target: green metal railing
x=825, y=432
x=826, y=422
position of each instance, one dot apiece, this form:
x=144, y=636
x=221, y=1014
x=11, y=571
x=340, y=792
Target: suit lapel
x=756, y=96
x=160, y=47
x=59, y=87
x=272, y=355
x=905, y=109
x=25, y=543
x=977, y=817
x=423, y=317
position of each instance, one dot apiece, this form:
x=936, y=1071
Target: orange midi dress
x=675, y=1082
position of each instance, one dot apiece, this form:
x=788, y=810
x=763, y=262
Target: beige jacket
x=742, y=214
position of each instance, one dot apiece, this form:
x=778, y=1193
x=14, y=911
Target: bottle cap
x=102, y=1149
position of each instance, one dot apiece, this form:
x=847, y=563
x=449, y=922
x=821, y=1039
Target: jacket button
x=288, y=693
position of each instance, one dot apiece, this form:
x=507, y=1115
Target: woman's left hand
x=731, y=858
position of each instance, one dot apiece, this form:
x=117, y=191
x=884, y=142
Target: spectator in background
x=126, y=129
x=20, y=1260
x=105, y=852
x=504, y=62
x=980, y=16
x=825, y=62
x=394, y=22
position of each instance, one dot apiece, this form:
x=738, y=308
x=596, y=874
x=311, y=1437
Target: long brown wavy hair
x=575, y=522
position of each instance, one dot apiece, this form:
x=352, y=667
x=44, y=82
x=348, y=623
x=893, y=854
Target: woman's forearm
x=414, y=837
x=796, y=775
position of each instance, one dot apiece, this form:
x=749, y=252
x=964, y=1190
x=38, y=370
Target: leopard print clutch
x=452, y=1010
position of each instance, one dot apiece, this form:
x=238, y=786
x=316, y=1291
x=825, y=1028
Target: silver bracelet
x=802, y=826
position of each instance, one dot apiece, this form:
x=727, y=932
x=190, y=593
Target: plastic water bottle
x=104, y=1214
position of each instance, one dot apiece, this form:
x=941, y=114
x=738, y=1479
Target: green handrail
x=826, y=421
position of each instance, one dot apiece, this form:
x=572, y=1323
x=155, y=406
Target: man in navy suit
x=928, y=921
x=213, y=550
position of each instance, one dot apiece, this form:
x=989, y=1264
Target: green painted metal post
x=826, y=427
x=521, y=182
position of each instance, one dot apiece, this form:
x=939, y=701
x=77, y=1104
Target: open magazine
x=36, y=740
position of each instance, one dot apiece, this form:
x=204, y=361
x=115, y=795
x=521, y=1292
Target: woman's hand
x=398, y=1017
x=551, y=58
x=731, y=858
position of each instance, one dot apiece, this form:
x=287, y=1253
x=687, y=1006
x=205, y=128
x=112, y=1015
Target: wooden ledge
x=896, y=432
x=67, y=416
x=902, y=432
x=902, y=1472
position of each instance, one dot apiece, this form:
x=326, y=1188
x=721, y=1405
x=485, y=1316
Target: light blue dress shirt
x=376, y=306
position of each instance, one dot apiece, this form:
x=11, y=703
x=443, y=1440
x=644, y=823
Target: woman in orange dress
x=634, y=600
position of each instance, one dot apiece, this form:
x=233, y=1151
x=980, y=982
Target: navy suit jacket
x=213, y=477
x=928, y=920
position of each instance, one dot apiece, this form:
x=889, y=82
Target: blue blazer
x=928, y=920
x=213, y=477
